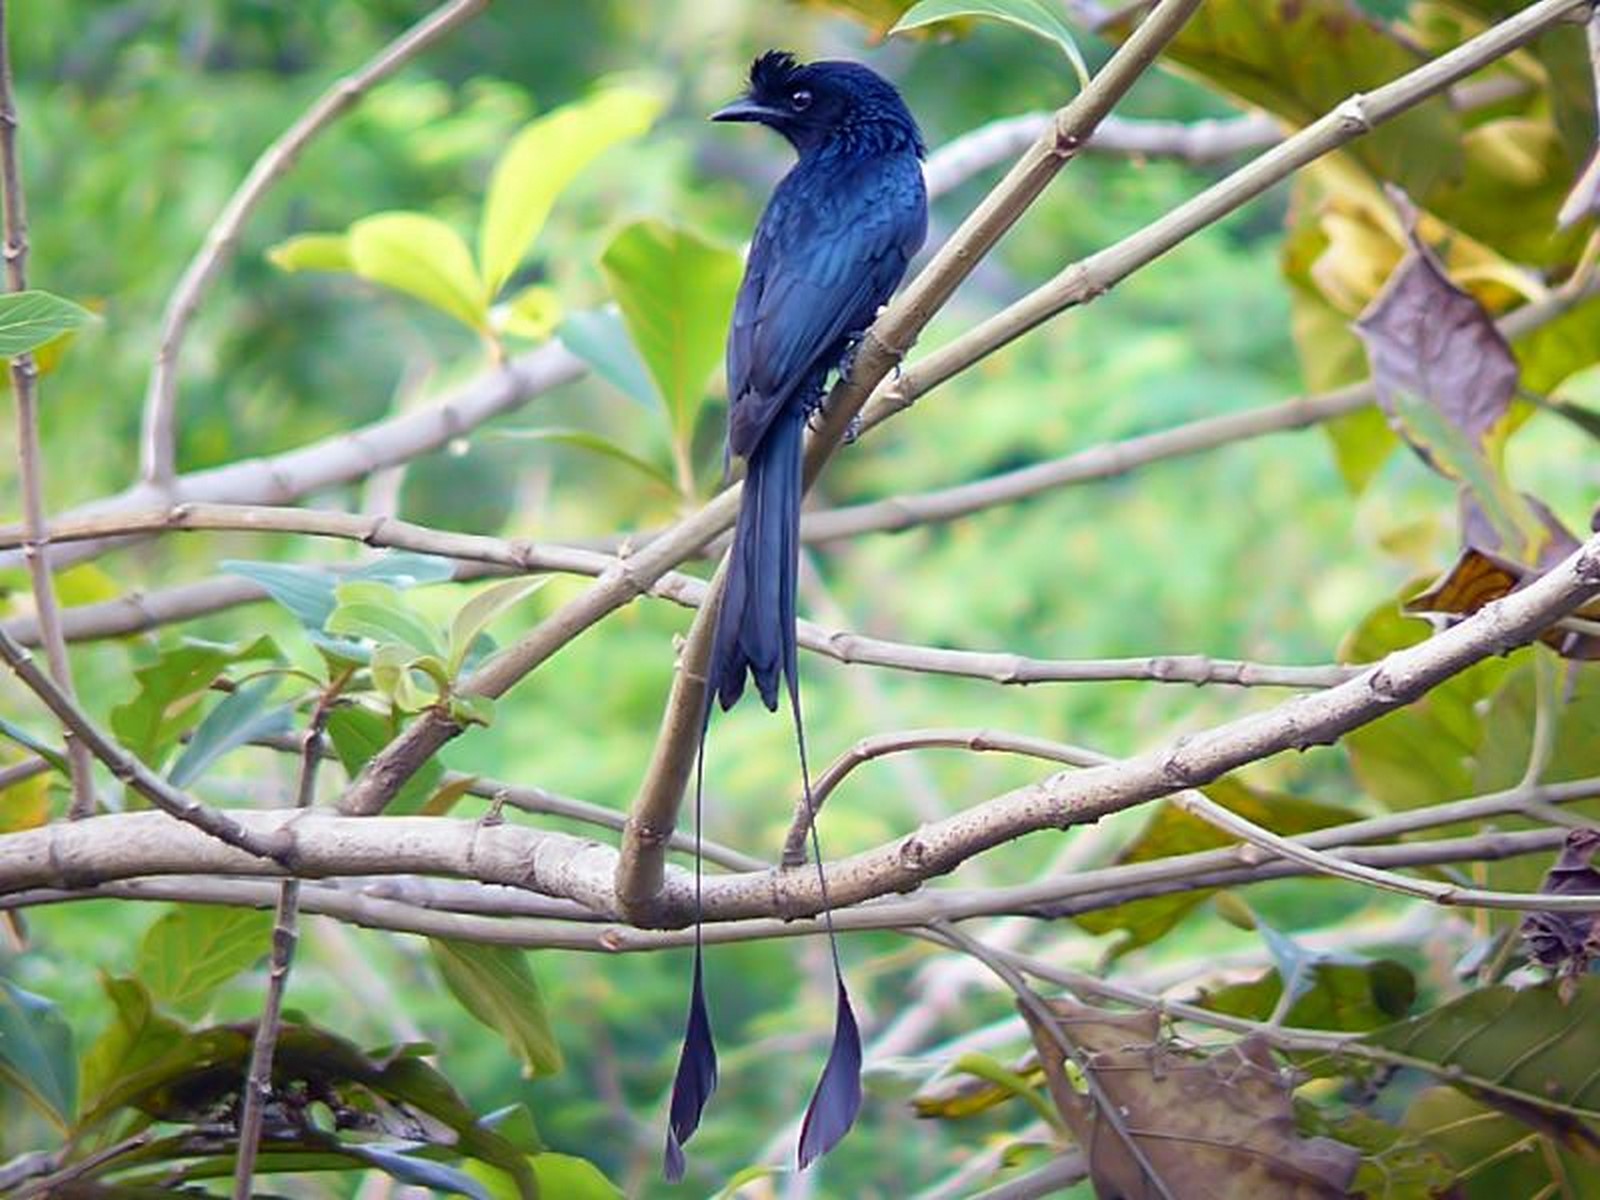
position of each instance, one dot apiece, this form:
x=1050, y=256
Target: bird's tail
x=755, y=628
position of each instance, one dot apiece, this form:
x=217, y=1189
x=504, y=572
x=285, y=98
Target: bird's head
x=814, y=104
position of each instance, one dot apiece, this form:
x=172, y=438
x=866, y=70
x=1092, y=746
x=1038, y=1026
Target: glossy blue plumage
x=830, y=249
x=831, y=246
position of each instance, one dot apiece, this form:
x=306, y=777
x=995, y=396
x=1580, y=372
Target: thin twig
x=285, y=933
x=157, y=445
x=30, y=459
x=1002, y=140
x=525, y=557
x=129, y=770
x=878, y=745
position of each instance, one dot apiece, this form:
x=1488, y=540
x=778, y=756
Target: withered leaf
x=1431, y=343
x=1212, y=1127
x=1566, y=942
x=1483, y=573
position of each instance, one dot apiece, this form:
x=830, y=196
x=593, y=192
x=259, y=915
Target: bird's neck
x=862, y=140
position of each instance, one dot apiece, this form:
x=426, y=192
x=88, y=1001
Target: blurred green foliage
x=139, y=118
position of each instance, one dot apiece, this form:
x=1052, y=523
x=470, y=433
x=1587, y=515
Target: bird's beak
x=745, y=109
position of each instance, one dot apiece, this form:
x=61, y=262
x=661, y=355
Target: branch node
x=1353, y=114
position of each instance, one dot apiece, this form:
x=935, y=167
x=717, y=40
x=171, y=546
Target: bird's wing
x=829, y=251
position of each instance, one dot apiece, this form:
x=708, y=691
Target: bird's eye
x=800, y=99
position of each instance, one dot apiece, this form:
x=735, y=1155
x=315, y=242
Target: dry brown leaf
x=1212, y=1127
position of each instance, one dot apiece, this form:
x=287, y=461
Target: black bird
x=830, y=248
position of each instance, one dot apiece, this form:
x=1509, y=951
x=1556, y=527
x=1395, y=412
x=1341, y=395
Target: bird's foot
x=847, y=360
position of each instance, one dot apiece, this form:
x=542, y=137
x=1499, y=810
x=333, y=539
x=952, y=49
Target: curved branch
x=879, y=745
x=485, y=555
x=157, y=445
x=502, y=915
x=572, y=868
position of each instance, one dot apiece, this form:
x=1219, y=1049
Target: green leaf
x=27, y=741
x=193, y=949
x=751, y=1174
x=495, y=984
x=359, y=733
x=407, y=1168
x=170, y=689
x=391, y=675
x=1339, y=992
x=676, y=293
x=137, y=1037
x=539, y=164
x=1423, y=753
x=30, y=319
x=1509, y=1044
x=307, y=592
x=572, y=1178
x=378, y=612
x=992, y=1071
x=313, y=252
x=391, y=1091
x=533, y=313
x=242, y=717
x=424, y=257
x=36, y=1056
x=595, y=443
x=1495, y=1154
x=1032, y=15
x=477, y=614
x=404, y=569
x=600, y=338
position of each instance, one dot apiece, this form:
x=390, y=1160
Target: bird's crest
x=772, y=71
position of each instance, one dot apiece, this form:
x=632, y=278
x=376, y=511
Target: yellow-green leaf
x=1033, y=15
x=313, y=252
x=532, y=313
x=194, y=949
x=676, y=293
x=539, y=164
x=424, y=257
x=495, y=985
x=30, y=319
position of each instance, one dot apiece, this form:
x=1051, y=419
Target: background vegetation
x=125, y=1026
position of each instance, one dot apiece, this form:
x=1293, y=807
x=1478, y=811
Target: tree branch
x=157, y=447
x=346, y=457
x=876, y=746
x=500, y=914
x=1001, y=141
x=285, y=933
x=570, y=868
x=129, y=770
x=526, y=557
x=30, y=459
